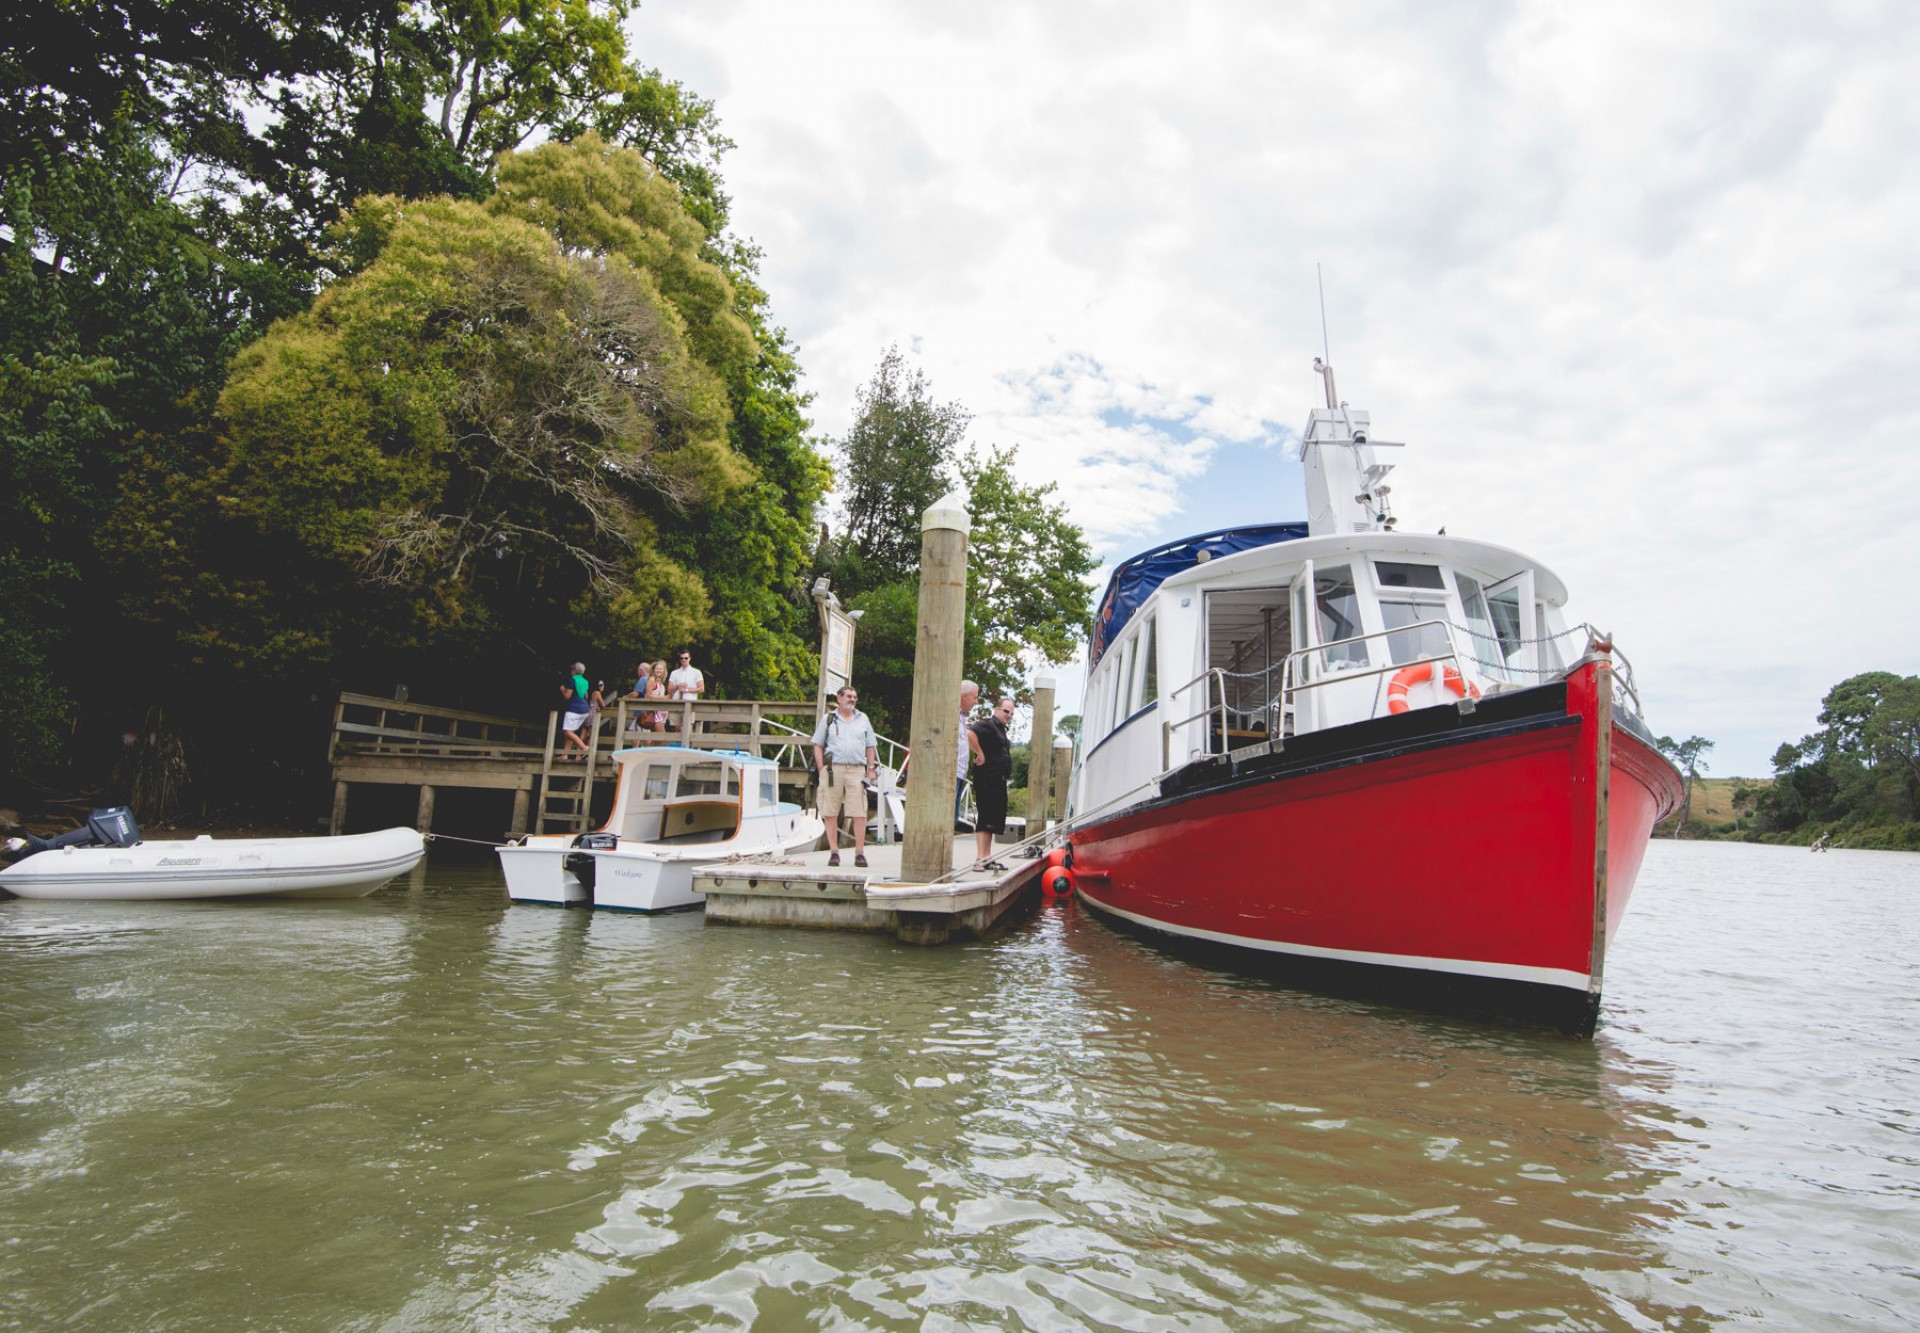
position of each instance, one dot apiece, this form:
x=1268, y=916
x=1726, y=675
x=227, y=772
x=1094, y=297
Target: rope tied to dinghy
x=477, y=842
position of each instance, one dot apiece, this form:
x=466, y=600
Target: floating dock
x=801, y=889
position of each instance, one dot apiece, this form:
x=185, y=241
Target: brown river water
x=428, y=1110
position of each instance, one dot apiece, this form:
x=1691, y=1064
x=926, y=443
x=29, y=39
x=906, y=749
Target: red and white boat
x=1363, y=758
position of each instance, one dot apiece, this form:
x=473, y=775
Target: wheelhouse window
x=658, y=776
x=1395, y=575
x=1508, y=623
x=1413, y=601
x=1488, y=656
x=699, y=780
x=1339, y=606
x=1418, y=632
x=769, y=789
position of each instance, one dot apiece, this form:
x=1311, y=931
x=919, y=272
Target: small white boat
x=675, y=809
x=127, y=869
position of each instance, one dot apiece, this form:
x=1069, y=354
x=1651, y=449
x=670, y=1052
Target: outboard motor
x=111, y=827
x=581, y=863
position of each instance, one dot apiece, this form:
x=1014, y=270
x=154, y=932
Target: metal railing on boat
x=1274, y=712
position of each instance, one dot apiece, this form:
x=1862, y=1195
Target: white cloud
x=1636, y=282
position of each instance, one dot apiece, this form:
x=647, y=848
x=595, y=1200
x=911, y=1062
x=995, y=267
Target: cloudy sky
x=1639, y=283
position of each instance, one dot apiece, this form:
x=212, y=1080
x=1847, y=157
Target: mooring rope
x=477, y=842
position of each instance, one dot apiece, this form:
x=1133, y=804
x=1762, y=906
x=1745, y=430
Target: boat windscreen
x=701, y=779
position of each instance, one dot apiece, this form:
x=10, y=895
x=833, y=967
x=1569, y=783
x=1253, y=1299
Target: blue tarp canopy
x=1133, y=582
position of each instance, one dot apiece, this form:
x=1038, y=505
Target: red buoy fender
x=1056, y=878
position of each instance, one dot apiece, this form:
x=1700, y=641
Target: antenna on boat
x=1324, y=364
x=1326, y=350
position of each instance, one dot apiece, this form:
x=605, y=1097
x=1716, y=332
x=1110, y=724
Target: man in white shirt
x=686, y=682
x=969, y=744
x=847, y=754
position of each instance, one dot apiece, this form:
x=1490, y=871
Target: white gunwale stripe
x=1544, y=976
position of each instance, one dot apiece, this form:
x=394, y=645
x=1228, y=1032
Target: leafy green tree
x=895, y=462
x=116, y=322
x=174, y=222
x=517, y=423
x=78, y=72
x=1687, y=757
x=475, y=432
x=1861, y=768
x=754, y=552
x=1026, y=560
x=1027, y=565
x=1027, y=598
x=364, y=97
x=1069, y=726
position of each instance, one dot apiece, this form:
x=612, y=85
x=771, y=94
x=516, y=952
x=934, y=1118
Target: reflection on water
x=429, y=1111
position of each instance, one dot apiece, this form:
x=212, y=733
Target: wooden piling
x=1040, y=755
x=933, y=733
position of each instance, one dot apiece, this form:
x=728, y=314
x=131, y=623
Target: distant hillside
x=1713, y=815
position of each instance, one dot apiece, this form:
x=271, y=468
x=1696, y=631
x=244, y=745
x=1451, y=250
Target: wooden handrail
x=349, y=699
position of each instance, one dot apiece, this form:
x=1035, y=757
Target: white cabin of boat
x=1246, y=636
x=671, y=796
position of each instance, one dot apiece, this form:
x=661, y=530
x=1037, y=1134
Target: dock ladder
x=566, y=784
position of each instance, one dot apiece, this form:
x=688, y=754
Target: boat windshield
x=1486, y=646
x=1507, y=621
x=700, y=779
x=1413, y=600
x=1420, y=635
x=1339, y=614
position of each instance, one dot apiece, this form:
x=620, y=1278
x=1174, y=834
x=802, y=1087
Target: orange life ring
x=1407, y=677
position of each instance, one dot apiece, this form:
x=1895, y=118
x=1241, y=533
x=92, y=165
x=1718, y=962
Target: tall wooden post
x=1062, y=779
x=1040, y=755
x=934, y=730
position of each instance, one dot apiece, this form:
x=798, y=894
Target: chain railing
x=1297, y=674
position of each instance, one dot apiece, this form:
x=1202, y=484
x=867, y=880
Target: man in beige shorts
x=847, y=754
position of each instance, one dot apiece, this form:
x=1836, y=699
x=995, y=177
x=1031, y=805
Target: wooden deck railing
x=369, y=724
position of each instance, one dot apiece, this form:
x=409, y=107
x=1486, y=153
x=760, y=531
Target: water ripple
x=429, y=1111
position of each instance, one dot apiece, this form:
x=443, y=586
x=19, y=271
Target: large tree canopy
x=492, y=427
x=752, y=552
x=1859, y=771
x=292, y=109
x=116, y=324
x=559, y=404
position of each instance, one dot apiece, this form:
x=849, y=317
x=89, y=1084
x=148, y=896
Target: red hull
x=1505, y=857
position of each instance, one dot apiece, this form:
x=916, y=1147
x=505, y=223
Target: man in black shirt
x=990, y=780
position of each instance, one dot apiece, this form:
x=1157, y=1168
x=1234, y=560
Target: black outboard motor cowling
x=111, y=827
x=581, y=863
